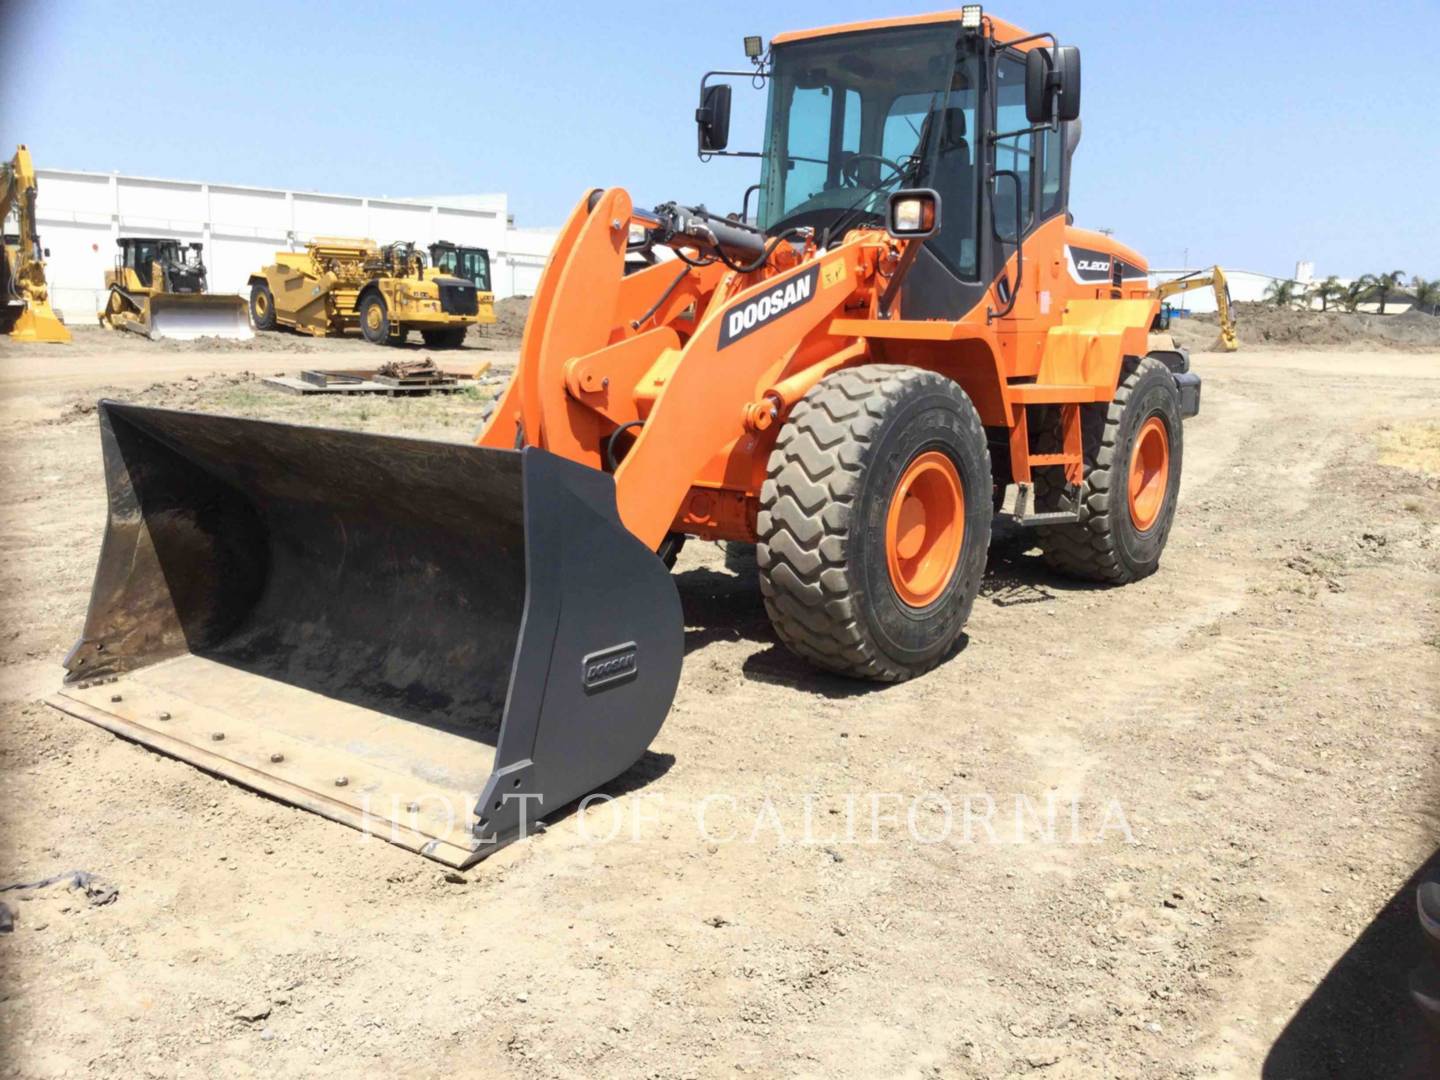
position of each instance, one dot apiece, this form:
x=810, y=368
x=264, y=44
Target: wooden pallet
x=346, y=382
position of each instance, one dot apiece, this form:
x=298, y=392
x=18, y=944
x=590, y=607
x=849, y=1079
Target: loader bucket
x=435, y=643
x=187, y=316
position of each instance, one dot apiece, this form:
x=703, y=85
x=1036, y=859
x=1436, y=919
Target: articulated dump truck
x=337, y=285
x=443, y=643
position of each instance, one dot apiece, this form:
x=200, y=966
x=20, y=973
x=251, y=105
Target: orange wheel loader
x=443, y=643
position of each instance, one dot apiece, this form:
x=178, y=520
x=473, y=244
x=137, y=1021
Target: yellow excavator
x=1213, y=278
x=25, y=311
x=158, y=289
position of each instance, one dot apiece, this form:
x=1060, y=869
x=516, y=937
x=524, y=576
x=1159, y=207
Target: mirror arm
x=1054, y=41
x=706, y=155
x=1001, y=136
x=757, y=79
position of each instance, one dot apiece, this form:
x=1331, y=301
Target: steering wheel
x=850, y=173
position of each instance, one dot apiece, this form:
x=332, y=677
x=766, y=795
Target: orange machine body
x=647, y=376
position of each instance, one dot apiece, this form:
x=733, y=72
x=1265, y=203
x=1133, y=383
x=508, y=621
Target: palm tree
x=1328, y=290
x=1427, y=294
x=1282, y=294
x=1357, y=292
x=1385, y=284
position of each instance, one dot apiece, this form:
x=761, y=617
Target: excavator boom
x=1214, y=279
x=25, y=311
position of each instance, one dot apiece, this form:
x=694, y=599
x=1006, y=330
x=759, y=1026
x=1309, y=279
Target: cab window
x=818, y=116
x=1016, y=154
x=1051, y=155
x=903, y=125
x=475, y=265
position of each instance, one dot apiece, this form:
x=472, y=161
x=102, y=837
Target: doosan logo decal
x=764, y=309
x=1091, y=267
x=608, y=667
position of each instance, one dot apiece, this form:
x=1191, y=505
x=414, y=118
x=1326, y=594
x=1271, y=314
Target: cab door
x=1025, y=205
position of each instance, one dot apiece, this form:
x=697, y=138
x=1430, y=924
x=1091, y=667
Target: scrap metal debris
x=96, y=890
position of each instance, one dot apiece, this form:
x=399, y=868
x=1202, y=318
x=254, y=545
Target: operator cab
x=471, y=263
x=182, y=269
x=855, y=116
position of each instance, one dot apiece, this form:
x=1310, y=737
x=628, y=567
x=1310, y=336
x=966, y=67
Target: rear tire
x=262, y=307
x=451, y=337
x=1119, y=539
x=375, y=321
x=854, y=453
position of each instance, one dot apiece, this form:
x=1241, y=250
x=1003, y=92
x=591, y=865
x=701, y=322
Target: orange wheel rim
x=1149, y=472
x=925, y=528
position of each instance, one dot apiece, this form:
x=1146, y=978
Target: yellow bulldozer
x=25, y=311
x=158, y=289
x=443, y=642
x=336, y=285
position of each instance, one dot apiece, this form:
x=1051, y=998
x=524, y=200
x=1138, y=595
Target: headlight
x=913, y=214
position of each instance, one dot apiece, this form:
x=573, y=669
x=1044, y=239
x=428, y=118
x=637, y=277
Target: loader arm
x=1214, y=279
x=689, y=380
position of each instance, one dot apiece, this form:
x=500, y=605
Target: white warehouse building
x=81, y=214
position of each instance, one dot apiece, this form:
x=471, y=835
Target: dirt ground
x=1241, y=751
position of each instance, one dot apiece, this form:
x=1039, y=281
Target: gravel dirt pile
x=1265, y=326
x=510, y=316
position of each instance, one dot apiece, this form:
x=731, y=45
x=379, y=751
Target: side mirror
x=913, y=214
x=1052, y=84
x=712, y=118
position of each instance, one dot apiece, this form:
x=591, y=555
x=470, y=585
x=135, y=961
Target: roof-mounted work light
x=970, y=16
x=754, y=46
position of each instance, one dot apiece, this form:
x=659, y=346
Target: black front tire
x=375, y=323
x=262, y=307
x=1106, y=545
x=451, y=337
x=822, y=523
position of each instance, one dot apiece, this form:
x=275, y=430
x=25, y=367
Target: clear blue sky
x=1253, y=133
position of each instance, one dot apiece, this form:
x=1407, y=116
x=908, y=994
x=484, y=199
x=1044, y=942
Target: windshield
x=475, y=265
x=855, y=116
x=472, y=263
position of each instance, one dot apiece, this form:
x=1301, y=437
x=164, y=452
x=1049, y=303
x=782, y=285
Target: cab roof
x=1002, y=30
